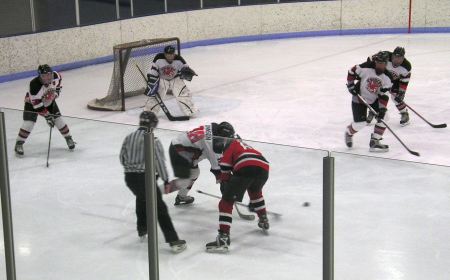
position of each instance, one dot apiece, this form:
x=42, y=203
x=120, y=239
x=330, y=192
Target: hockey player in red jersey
x=40, y=100
x=400, y=69
x=243, y=169
x=374, y=84
x=188, y=149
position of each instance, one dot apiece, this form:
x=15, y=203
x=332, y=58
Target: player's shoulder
x=180, y=58
x=159, y=56
x=367, y=64
x=406, y=64
x=35, y=86
x=56, y=75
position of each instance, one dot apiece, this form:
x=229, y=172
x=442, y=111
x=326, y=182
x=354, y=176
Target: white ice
x=75, y=219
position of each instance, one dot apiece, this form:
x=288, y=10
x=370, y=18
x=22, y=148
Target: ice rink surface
x=75, y=219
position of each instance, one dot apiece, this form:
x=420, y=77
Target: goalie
x=168, y=72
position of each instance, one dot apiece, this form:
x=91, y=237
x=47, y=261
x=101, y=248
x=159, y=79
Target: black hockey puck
x=306, y=204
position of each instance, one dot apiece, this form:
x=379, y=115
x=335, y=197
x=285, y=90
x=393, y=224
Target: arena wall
x=81, y=46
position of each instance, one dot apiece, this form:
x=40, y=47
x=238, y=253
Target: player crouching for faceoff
x=374, y=84
x=40, y=100
x=168, y=72
x=188, y=149
x=132, y=157
x=242, y=169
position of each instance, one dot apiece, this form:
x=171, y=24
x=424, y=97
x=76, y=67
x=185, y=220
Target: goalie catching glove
x=186, y=73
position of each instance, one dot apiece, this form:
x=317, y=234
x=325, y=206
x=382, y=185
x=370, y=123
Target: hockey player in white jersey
x=168, y=72
x=189, y=148
x=41, y=100
x=374, y=84
x=400, y=69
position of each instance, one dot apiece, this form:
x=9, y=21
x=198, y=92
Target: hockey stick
x=442, y=125
x=249, y=217
x=240, y=203
x=376, y=114
x=160, y=102
x=49, y=141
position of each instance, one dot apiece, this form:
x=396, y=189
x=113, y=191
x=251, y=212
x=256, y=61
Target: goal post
x=126, y=81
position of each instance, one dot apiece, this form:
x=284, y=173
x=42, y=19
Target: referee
x=132, y=157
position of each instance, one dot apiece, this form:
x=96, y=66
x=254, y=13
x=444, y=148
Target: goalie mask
x=148, y=120
x=169, y=53
x=45, y=74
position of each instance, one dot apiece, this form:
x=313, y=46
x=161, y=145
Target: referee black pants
x=136, y=183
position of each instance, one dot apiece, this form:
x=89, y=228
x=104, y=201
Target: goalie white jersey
x=163, y=69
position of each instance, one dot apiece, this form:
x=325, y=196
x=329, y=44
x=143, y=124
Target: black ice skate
x=178, y=245
x=220, y=245
x=263, y=222
x=377, y=146
x=348, y=139
x=404, y=120
x=70, y=142
x=19, y=148
x=183, y=200
x=369, y=117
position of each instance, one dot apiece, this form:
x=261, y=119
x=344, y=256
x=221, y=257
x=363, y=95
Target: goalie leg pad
x=184, y=98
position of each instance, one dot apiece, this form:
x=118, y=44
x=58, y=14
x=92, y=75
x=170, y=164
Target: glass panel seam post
x=77, y=12
x=151, y=207
x=328, y=217
x=6, y=203
x=33, y=18
x=117, y=10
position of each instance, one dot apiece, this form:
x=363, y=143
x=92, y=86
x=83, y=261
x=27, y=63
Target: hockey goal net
x=126, y=79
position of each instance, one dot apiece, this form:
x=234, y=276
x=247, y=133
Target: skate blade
x=178, y=248
x=374, y=150
x=404, y=124
x=142, y=238
x=19, y=156
x=217, y=250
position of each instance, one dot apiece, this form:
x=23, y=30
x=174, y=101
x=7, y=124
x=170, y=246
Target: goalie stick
x=240, y=203
x=442, y=125
x=376, y=114
x=159, y=100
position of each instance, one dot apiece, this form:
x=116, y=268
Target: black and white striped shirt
x=132, y=155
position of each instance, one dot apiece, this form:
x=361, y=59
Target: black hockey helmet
x=399, y=51
x=223, y=135
x=381, y=57
x=45, y=73
x=225, y=129
x=169, y=53
x=398, y=55
x=148, y=120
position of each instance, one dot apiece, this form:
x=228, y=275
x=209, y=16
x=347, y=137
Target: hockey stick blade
x=240, y=203
x=387, y=126
x=249, y=217
x=442, y=125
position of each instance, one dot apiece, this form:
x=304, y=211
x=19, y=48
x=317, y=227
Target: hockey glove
x=152, y=88
x=400, y=96
x=381, y=114
x=217, y=173
x=187, y=73
x=352, y=89
x=58, y=91
x=50, y=120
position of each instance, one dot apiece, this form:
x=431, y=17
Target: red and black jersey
x=239, y=155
